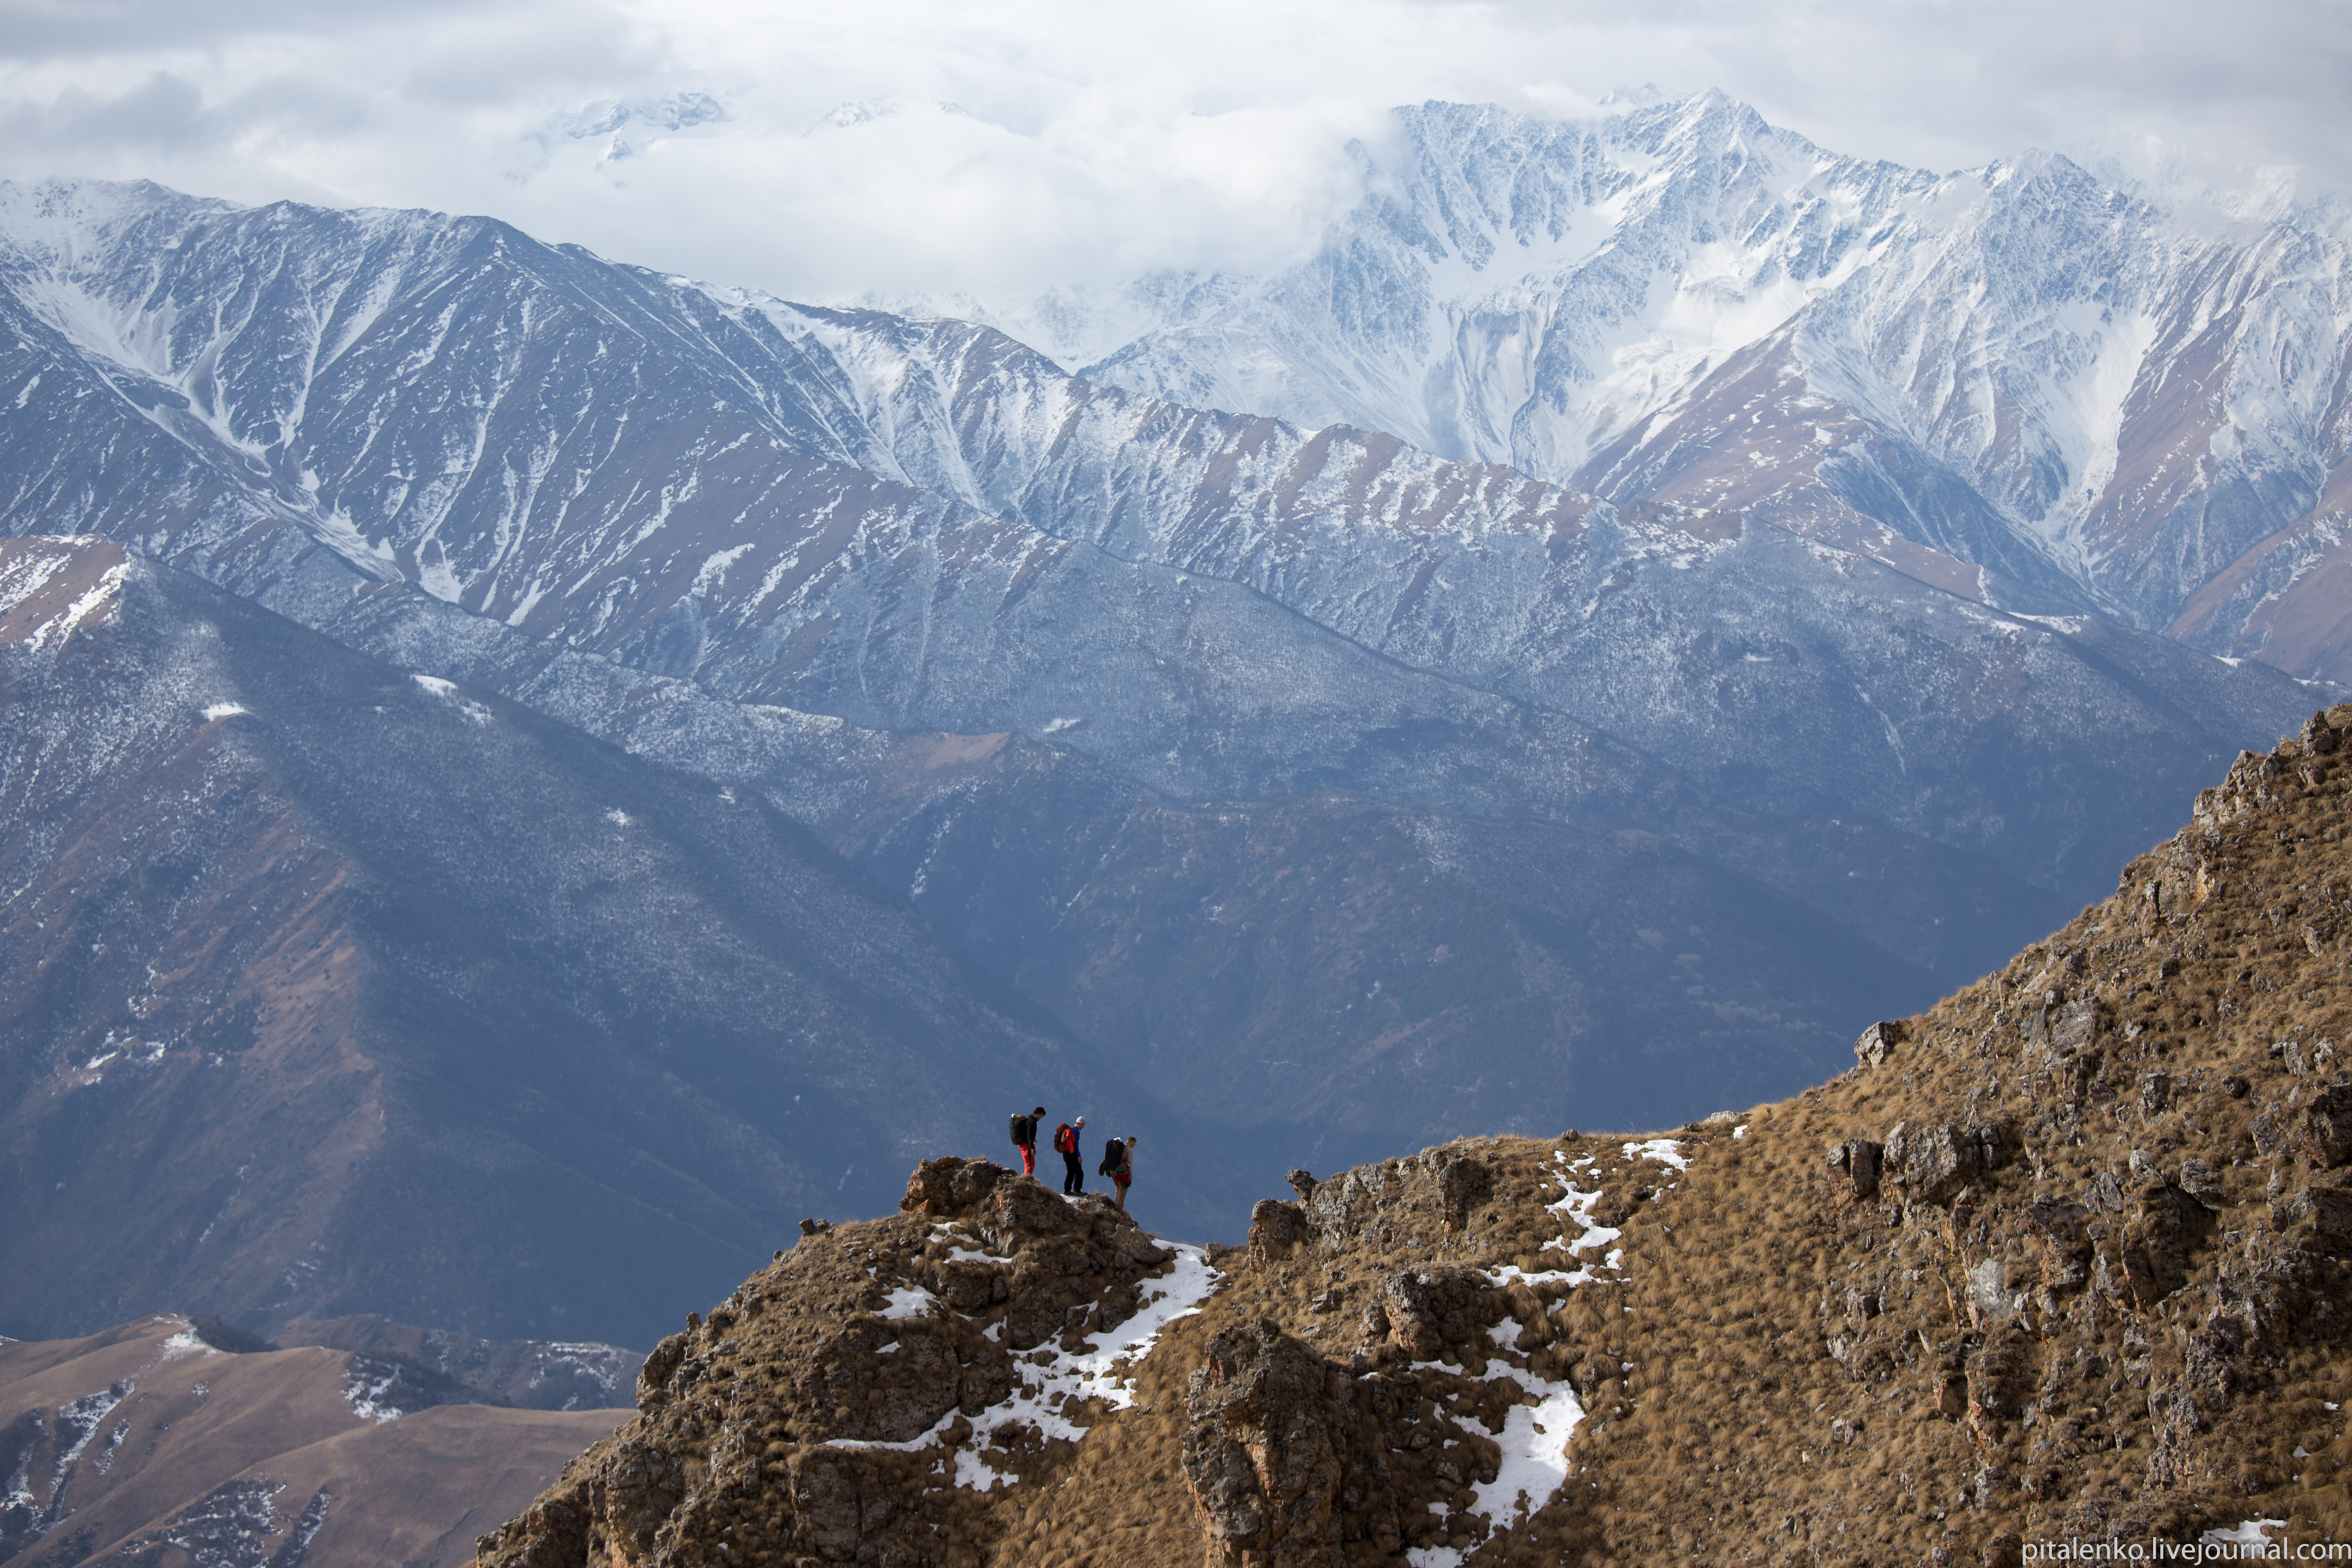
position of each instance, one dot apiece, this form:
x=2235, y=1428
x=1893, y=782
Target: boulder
x=1285, y=1470
x=2327, y=1210
x=2066, y=1243
x=1462, y=1183
x=1277, y=1226
x=2327, y=1127
x=1932, y=1162
x=1020, y=1208
x=1878, y=1042
x=1854, y=1167
x=1430, y=1311
x=2072, y=1028
x=643, y=1483
x=951, y=1186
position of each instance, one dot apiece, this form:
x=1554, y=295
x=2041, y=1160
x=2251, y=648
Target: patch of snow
x=447, y=690
x=1534, y=1441
x=1055, y=1377
x=83, y=1417
x=1575, y=1207
x=1511, y=1272
x=220, y=711
x=909, y=1301
x=1059, y=725
x=369, y=1382
x=712, y=573
x=185, y=1343
x=1740, y=1130
x=1665, y=1150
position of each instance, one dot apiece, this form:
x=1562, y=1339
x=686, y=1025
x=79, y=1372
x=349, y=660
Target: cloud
x=1031, y=141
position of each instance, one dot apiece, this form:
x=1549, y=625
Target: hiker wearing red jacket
x=1074, y=1171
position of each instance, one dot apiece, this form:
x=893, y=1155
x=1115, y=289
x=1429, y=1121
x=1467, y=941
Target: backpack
x=1024, y=1131
x=1114, y=1158
x=1065, y=1139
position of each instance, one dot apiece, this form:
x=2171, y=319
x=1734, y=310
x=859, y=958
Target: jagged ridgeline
x=2059, y=1258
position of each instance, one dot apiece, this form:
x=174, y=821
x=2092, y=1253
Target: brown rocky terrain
x=2059, y=1258
x=175, y=1440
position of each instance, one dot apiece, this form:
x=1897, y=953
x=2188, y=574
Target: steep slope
x=2061, y=1259
x=326, y=988
x=148, y=1444
x=2017, y=380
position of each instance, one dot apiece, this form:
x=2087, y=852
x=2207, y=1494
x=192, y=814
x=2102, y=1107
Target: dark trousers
x=1074, y=1174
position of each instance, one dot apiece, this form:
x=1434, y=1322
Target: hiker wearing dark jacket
x=1024, y=1138
x=1118, y=1164
x=1074, y=1170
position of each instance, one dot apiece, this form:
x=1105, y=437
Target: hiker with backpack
x=1118, y=1164
x=1074, y=1170
x=1024, y=1138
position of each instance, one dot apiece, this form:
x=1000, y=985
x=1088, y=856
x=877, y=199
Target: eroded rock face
x=1932, y=1163
x=1430, y=1308
x=1877, y=1043
x=1854, y=1167
x=1276, y=1225
x=950, y=1186
x=1287, y=1466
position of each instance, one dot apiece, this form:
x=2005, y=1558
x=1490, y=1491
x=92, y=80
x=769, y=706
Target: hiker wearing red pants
x=1024, y=1138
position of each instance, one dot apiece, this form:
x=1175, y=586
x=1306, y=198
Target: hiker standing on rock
x=1024, y=1138
x=1074, y=1170
x=1118, y=1164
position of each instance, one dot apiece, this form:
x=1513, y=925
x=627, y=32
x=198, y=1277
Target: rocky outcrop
x=1932, y=1163
x=1285, y=1457
x=829, y=1407
x=1854, y=1166
x=2327, y=1127
x=1877, y=1043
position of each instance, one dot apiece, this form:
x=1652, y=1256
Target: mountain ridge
x=2058, y=1261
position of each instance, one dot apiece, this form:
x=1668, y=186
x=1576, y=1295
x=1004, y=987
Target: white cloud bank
x=824, y=151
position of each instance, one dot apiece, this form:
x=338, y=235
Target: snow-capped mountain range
x=2017, y=382
x=1331, y=788
x=921, y=525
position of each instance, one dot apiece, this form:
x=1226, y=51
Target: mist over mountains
x=1528, y=732
x=2018, y=381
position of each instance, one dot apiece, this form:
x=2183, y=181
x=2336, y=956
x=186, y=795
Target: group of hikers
x=1118, y=1161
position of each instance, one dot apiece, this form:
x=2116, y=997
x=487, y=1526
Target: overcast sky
x=1089, y=140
